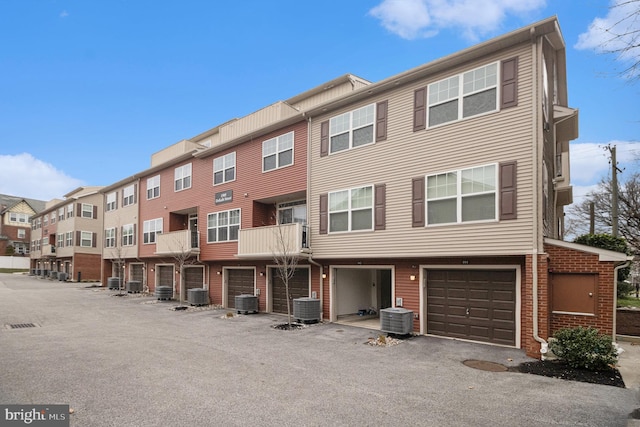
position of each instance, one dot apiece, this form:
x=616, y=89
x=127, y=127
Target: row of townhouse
x=440, y=190
x=15, y=220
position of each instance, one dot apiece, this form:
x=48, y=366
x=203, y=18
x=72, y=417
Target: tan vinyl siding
x=173, y=151
x=116, y=219
x=256, y=121
x=329, y=94
x=502, y=136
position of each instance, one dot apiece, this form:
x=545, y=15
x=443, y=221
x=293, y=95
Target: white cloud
x=64, y=14
x=23, y=175
x=617, y=32
x=411, y=19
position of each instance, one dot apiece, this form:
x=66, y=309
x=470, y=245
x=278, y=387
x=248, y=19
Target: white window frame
x=111, y=201
x=22, y=233
x=461, y=86
x=350, y=209
x=151, y=228
x=226, y=225
x=182, y=177
x=153, y=187
x=127, y=235
x=18, y=217
x=86, y=239
x=70, y=210
x=45, y=220
x=60, y=214
x=274, y=147
x=87, y=210
x=298, y=205
x=69, y=238
x=60, y=239
x=459, y=196
x=127, y=195
x=110, y=237
x=223, y=164
x=350, y=122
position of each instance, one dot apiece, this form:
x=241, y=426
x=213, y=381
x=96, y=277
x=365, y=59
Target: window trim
x=225, y=167
x=110, y=202
x=350, y=210
x=130, y=198
x=110, y=237
x=152, y=181
x=459, y=196
x=147, y=231
x=87, y=208
x=128, y=233
x=351, y=128
x=461, y=95
x=183, y=178
x=83, y=239
x=228, y=226
x=278, y=151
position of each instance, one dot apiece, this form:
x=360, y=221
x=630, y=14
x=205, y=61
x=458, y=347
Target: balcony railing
x=177, y=242
x=266, y=242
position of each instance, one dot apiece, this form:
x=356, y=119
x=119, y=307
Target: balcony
x=182, y=242
x=48, y=250
x=265, y=242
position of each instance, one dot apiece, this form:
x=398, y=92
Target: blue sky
x=90, y=89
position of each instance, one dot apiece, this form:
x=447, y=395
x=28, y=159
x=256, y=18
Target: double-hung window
x=351, y=210
x=182, y=177
x=60, y=214
x=127, y=235
x=151, y=229
x=22, y=233
x=352, y=129
x=223, y=226
x=60, y=238
x=127, y=195
x=86, y=239
x=45, y=221
x=111, y=201
x=69, y=238
x=277, y=152
x=87, y=210
x=110, y=238
x=70, y=210
x=463, y=95
x=224, y=168
x=462, y=196
x=153, y=187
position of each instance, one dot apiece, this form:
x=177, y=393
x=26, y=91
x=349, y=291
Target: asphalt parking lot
x=132, y=361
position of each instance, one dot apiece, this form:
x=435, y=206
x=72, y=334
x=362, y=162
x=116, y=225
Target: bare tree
x=628, y=210
x=286, y=257
x=118, y=258
x=182, y=254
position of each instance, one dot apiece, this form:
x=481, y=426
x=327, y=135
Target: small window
x=69, y=238
x=110, y=238
x=224, y=169
x=86, y=239
x=223, y=226
x=128, y=195
x=45, y=220
x=352, y=129
x=127, y=235
x=70, y=210
x=22, y=233
x=277, y=152
x=351, y=210
x=153, y=187
x=87, y=210
x=151, y=229
x=60, y=238
x=182, y=177
x=60, y=214
x=111, y=201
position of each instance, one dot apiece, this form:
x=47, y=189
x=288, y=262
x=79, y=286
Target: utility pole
x=614, y=191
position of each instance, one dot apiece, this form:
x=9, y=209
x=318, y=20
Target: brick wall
x=89, y=265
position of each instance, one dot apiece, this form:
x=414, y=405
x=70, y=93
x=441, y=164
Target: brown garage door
x=165, y=275
x=193, y=277
x=239, y=282
x=137, y=273
x=478, y=305
x=298, y=288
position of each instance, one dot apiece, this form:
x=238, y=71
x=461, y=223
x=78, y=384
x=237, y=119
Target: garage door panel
x=473, y=304
x=239, y=282
x=298, y=288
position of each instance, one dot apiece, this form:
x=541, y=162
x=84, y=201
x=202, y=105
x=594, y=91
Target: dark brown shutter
x=381, y=120
x=77, y=238
x=116, y=199
x=417, y=202
x=135, y=193
x=380, y=206
x=509, y=83
x=134, y=234
x=419, y=109
x=115, y=237
x=508, y=196
x=324, y=138
x=94, y=240
x=95, y=211
x=78, y=211
x=324, y=214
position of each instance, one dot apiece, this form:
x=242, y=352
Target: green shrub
x=624, y=289
x=584, y=348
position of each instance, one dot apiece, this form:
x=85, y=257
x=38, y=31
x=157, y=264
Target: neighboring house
x=15, y=223
x=441, y=190
x=66, y=233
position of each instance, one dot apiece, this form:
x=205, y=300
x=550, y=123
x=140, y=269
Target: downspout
x=309, y=256
x=615, y=296
x=544, y=346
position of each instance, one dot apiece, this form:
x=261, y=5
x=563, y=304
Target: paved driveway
x=131, y=361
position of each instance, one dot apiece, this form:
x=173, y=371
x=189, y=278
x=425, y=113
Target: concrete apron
x=629, y=360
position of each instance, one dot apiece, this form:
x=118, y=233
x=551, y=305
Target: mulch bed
x=556, y=369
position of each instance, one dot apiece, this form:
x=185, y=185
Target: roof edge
x=603, y=254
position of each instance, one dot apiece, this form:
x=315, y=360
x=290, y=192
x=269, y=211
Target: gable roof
x=7, y=202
